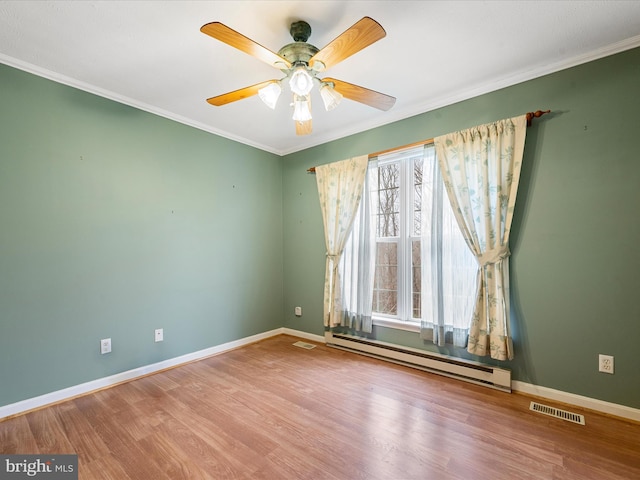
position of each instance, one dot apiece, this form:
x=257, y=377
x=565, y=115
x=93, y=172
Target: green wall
x=114, y=222
x=575, y=265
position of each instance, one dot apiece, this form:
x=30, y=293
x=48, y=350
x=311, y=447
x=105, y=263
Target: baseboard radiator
x=467, y=370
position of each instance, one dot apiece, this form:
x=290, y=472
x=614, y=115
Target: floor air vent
x=555, y=412
x=305, y=345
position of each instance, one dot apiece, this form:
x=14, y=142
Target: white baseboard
x=100, y=383
x=23, y=406
x=305, y=335
x=600, y=406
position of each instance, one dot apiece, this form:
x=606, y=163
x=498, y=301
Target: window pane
x=416, y=284
x=385, y=290
x=417, y=196
x=388, y=222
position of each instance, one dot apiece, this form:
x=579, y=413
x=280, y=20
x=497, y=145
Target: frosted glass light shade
x=270, y=94
x=330, y=96
x=301, y=108
x=301, y=82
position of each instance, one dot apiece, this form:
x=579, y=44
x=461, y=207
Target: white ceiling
x=152, y=55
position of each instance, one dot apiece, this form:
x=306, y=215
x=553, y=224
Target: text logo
x=39, y=467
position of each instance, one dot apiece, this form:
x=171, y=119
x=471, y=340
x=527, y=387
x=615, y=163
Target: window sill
x=396, y=324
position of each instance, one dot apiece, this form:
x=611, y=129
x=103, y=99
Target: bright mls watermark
x=49, y=467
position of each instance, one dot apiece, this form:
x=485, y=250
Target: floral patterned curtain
x=340, y=188
x=481, y=170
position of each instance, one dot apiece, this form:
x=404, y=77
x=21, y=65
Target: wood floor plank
x=287, y=462
x=49, y=433
x=105, y=468
x=230, y=416
x=210, y=452
x=274, y=411
x=173, y=461
x=80, y=433
x=118, y=438
x=16, y=436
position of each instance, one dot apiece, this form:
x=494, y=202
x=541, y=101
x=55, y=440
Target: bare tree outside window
x=385, y=290
x=389, y=200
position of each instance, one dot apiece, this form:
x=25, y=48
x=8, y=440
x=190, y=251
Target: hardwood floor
x=274, y=411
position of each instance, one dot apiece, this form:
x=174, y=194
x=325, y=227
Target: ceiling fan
x=301, y=63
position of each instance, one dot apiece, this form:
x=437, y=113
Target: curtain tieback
x=334, y=260
x=494, y=256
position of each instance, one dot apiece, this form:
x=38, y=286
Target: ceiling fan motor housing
x=299, y=51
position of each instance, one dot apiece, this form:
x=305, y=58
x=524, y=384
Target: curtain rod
x=530, y=117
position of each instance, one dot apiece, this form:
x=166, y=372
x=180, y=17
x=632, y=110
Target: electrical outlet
x=159, y=335
x=605, y=363
x=105, y=346
x=298, y=311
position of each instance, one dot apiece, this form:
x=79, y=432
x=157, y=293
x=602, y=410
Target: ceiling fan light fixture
x=330, y=96
x=270, y=94
x=301, y=82
x=301, y=63
x=301, y=108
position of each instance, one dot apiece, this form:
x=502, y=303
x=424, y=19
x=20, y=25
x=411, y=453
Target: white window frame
x=404, y=319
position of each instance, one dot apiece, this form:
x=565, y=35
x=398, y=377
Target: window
x=397, y=187
x=450, y=268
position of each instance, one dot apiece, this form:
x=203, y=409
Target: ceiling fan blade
x=303, y=128
x=363, y=95
x=238, y=94
x=362, y=34
x=221, y=32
